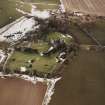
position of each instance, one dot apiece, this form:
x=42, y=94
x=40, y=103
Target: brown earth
x=96, y=7
x=19, y=92
x=83, y=81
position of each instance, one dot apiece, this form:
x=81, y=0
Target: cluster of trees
x=32, y=73
x=26, y=50
x=56, y=23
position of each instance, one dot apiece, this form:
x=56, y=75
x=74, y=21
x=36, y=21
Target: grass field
x=80, y=36
x=56, y=35
x=41, y=63
x=46, y=6
x=43, y=4
x=8, y=11
x=98, y=31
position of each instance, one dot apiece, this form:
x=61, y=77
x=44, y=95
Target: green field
x=56, y=35
x=8, y=11
x=98, y=31
x=41, y=63
x=46, y=6
x=80, y=36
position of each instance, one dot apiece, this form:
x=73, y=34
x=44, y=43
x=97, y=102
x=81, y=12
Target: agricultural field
x=83, y=81
x=98, y=31
x=43, y=4
x=8, y=11
x=96, y=7
x=21, y=92
x=3, y=45
x=80, y=36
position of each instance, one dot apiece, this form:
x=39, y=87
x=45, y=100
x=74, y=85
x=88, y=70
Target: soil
x=15, y=91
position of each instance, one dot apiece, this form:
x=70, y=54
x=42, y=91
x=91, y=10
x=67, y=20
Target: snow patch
x=2, y=56
x=36, y=13
x=19, y=30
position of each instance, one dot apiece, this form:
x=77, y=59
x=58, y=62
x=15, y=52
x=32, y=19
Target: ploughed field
x=83, y=81
x=96, y=7
x=15, y=91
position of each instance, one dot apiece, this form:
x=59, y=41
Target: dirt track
x=19, y=92
x=96, y=7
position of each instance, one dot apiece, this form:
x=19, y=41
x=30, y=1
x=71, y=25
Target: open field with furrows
x=15, y=91
x=83, y=81
x=96, y=7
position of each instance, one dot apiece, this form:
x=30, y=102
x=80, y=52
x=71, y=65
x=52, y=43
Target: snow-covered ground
x=2, y=56
x=34, y=12
x=62, y=6
x=18, y=30
x=50, y=90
